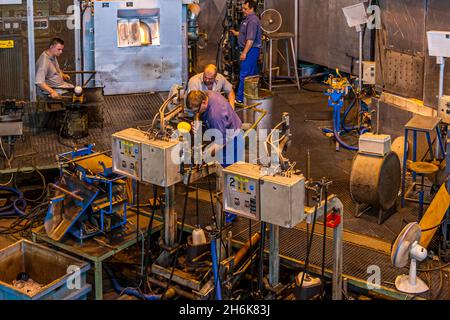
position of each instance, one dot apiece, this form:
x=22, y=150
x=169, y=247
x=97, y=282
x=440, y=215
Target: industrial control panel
x=279, y=200
x=369, y=72
x=127, y=153
x=241, y=194
x=444, y=109
x=144, y=159
x=283, y=200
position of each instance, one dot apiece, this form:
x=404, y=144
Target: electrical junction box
x=241, y=192
x=283, y=200
x=369, y=72
x=439, y=43
x=444, y=109
x=137, y=156
x=251, y=194
x=375, y=144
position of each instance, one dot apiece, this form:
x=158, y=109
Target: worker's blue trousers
x=249, y=67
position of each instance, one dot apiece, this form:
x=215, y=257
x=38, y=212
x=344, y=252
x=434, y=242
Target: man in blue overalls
x=217, y=113
x=249, y=41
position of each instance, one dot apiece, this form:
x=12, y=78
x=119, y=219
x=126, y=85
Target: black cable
x=302, y=86
x=148, y=252
x=435, y=227
x=180, y=236
x=197, y=215
x=261, y=257
x=137, y=223
x=308, y=249
x=213, y=210
x=16, y=227
x=434, y=269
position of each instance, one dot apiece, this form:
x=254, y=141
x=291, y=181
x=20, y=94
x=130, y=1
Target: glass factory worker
x=50, y=80
x=216, y=112
x=210, y=80
x=249, y=41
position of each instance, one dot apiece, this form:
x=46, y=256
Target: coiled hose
x=129, y=291
x=17, y=206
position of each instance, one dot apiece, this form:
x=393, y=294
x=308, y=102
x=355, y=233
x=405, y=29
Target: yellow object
x=92, y=163
x=423, y=167
x=184, y=127
x=6, y=44
x=434, y=215
x=339, y=82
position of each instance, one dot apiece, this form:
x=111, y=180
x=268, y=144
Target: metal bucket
x=75, y=124
x=251, y=85
x=375, y=180
x=265, y=97
x=47, y=267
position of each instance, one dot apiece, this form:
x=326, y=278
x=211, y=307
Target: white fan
x=271, y=21
x=407, y=246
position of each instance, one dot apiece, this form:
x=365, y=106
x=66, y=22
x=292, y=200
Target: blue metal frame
x=107, y=178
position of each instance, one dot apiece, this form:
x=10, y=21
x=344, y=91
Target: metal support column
x=270, y=63
x=294, y=57
x=219, y=209
x=274, y=257
x=337, y=258
x=98, y=281
x=31, y=53
x=77, y=37
x=441, y=63
x=170, y=217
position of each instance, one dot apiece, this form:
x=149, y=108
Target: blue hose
x=130, y=291
x=216, y=270
x=338, y=138
x=17, y=206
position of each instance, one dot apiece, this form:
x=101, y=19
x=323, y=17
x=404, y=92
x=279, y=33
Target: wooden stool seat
x=423, y=168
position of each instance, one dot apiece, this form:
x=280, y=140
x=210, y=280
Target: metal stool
x=287, y=37
x=422, y=169
x=425, y=125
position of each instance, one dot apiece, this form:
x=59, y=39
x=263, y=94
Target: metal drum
x=375, y=180
x=265, y=97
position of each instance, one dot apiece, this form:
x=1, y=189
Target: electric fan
x=407, y=246
x=271, y=21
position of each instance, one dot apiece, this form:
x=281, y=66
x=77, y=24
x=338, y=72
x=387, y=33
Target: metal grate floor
x=356, y=258
x=119, y=112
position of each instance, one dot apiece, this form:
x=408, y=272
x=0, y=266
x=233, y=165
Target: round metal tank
x=375, y=180
x=265, y=97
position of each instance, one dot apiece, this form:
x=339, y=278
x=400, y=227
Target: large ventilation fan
x=271, y=21
x=407, y=246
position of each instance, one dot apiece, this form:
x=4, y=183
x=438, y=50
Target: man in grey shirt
x=49, y=77
x=210, y=80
